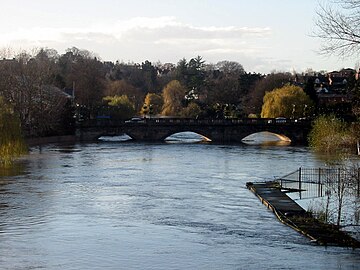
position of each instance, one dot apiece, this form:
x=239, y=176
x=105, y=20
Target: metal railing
x=316, y=182
x=193, y=121
x=231, y=121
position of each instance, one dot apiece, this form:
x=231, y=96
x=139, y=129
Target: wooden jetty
x=291, y=214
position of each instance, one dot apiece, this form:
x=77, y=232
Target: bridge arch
x=187, y=136
x=179, y=130
x=266, y=137
x=96, y=134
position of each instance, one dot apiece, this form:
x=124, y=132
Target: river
x=127, y=205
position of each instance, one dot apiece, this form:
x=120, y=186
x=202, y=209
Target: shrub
x=330, y=134
x=11, y=141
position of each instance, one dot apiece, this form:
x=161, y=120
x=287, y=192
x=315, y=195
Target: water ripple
x=152, y=206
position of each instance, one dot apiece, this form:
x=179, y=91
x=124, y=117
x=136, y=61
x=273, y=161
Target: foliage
x=253, y=100
x=252, y=115
x=149, y=76
x=329, y=134
x=230, y=68
x=356, y=98
x=191, y=74
x=226, y=111
x=88, y=77
x=288, y=101
x=173, y=95
x=30, y=83
x=193, y=110
x=234, y=88
x=35, y=83
x=11, y=141
x=123, y=87
x=309, y=89
x=155, y=101
x=354, y=130
x=120, y=107
x=226, y=90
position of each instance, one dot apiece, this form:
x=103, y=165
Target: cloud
x=150, y=38
x=161, y=30
x=166, y=30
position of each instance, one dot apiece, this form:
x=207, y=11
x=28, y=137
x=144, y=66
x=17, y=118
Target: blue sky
x=262, y=35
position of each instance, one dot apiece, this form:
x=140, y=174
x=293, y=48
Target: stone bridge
x=222, y=131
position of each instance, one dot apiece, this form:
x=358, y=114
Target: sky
x=262, y=35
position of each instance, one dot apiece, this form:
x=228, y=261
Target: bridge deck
x=217, y=130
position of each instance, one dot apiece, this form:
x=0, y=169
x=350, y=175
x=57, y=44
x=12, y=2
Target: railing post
x=320, y=186
x=300, y=183
x=338, y=183
x=358, y=183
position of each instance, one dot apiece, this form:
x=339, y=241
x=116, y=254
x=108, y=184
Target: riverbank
x=291, y=214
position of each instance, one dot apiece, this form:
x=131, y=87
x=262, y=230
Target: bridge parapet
x=192, y=121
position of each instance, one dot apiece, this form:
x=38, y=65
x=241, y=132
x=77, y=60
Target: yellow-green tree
x=288, y=101
x=173, y=94
x=120, y=106
x=122, y=87
x=11, y=141
x=154, y=101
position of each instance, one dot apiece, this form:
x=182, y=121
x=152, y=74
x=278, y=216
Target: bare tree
x=26, y=83
x=338, y=25
x=230, y=68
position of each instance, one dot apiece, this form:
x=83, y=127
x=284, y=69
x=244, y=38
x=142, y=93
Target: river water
x=126, y=205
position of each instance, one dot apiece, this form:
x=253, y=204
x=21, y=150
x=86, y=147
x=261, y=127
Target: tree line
x=46, y=89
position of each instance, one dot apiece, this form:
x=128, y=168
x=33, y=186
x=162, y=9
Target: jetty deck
x=291, y=214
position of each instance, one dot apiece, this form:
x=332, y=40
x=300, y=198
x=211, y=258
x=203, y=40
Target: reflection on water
x=153, y=206
x=121, y=138
x=16, y=169
x=268, y=143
